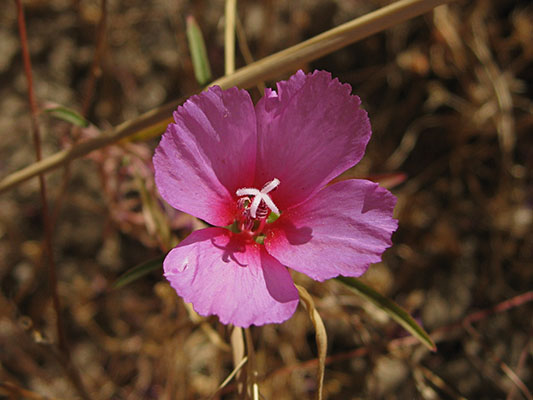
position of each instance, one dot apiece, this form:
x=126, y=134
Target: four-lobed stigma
x=256, y=205
x=260, y=197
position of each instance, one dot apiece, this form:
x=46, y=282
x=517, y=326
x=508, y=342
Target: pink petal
x=308, y=133
x=340, y=231
x=221, y=273
x=208, y=154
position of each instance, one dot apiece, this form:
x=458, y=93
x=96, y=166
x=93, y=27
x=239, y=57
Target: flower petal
x=339, y=231
x=221, y=273
x=309, y=132
x=208, y=154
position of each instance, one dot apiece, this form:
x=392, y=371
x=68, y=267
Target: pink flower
x=228, y=162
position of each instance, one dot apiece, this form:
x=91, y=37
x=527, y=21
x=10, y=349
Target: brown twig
x=47, y=243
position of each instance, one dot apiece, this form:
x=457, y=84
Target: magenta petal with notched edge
x=309, y=132
x=340, y=231
x=222, y=274
x=207, y=154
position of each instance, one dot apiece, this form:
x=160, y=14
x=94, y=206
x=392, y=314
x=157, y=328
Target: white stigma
x=259, y=195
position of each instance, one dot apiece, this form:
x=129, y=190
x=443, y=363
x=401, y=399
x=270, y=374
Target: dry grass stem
x=320, y=337
x=229, y=36
x=252, y=374
x=245, y=50
x=237, y=352
x=155, y=121
x=230, y=376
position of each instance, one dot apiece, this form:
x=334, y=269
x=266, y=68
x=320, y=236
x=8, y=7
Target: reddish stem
x=94, y=73
x=47, y=245
x=47, y=242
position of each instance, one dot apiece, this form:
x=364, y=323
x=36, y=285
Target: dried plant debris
x=449, y=95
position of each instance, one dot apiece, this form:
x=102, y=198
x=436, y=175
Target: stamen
x=243, y=202
x=260, y=196
x=255, y=204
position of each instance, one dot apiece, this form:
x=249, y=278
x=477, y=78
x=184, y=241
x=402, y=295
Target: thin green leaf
x=200, y=62
x=138, y=272
x=391, y=308
x=67, y=114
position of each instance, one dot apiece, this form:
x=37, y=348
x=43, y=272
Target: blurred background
x=449, y=96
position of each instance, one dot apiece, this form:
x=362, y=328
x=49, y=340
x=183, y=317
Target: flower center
x=256, y=205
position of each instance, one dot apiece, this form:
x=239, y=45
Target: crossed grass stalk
x=154, y=122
